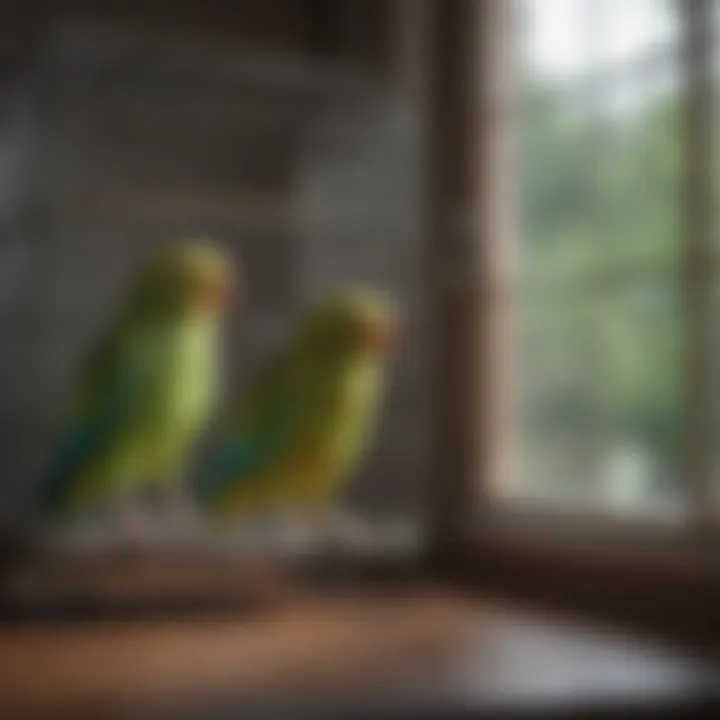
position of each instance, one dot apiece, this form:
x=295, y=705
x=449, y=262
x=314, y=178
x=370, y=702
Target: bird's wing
x=274, y=410
x=106, y=402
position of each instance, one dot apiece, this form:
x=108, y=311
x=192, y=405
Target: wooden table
x=426, y=650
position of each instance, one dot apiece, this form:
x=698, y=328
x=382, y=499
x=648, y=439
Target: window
x=607, y=318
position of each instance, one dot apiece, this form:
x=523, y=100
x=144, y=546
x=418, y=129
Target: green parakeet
x=306, y=420
x=145, y=390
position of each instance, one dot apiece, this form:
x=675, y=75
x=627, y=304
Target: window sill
x=655, y=576
x=666, y=541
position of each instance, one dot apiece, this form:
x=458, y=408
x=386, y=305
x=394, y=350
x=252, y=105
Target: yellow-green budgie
x=305, y=422
x=145, y=390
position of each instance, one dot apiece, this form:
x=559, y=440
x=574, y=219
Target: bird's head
x=354, y=321
x=193, y=277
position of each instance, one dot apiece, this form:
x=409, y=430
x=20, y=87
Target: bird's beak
x=221, y=295
x=382, y=336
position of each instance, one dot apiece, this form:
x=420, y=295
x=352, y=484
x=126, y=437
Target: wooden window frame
x=471, y=250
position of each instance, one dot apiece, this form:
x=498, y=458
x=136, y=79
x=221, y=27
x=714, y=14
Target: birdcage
x=117, y=143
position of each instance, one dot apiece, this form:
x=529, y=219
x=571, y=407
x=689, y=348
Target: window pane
x=600, y=402
x=599, y=196
x=566, y=39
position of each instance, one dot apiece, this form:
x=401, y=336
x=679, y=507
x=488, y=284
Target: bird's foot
x=184, y=522
x=134, y=528
x=295, y=534
x=345, y=531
